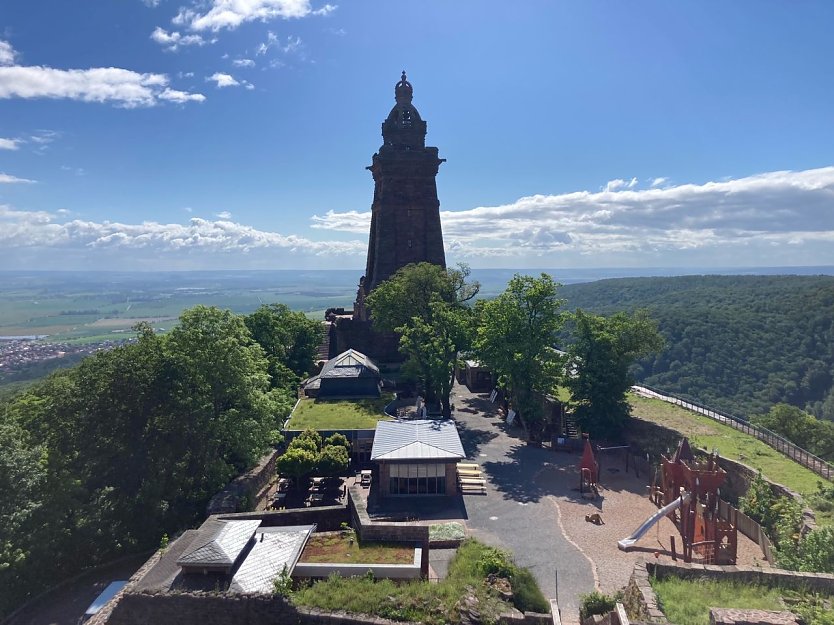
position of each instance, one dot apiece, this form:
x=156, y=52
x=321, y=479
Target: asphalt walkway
x=519, y=512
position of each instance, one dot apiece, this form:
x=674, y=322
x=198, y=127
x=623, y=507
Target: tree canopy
x=599, y=356
x=736, y=343
x=515, y=338
x=426, y=305
x=104, y=458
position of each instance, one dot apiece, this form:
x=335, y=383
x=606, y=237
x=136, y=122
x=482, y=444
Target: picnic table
x=279, y=500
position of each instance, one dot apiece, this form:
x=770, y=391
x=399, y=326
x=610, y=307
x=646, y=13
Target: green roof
x=339, y=414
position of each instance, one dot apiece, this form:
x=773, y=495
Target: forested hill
x=738, y=343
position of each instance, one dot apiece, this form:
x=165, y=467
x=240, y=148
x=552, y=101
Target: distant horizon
x=665, y=268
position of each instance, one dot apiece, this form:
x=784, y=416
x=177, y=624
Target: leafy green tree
x=339, y=440
x=289, y=339
x=297, y=462
x=599, y=357
x=333, y=460
x=801, y=428
x=425, y=305
x=308, y=439
x=515, y=337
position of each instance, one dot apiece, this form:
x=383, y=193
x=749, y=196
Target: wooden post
x=674, y=551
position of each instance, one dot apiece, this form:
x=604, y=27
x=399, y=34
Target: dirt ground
x=623, y=505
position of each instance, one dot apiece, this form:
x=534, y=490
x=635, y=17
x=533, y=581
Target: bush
x=527, y=596
x=495, y=562
x=596, y=603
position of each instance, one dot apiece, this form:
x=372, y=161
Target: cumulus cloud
x=762, y=212
x=9, y=179
x=122, y=87
x=229, y=14
x=172, y=41
x=40, y=230
x=9, y=144
x=243, y=63
x=225, y=215
x=222, y=80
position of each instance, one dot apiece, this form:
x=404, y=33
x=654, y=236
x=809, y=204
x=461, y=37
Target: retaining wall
x=243, y=490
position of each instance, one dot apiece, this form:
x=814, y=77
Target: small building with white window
x=417, y=458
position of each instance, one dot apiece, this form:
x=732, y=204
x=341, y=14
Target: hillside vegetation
x=736, y=343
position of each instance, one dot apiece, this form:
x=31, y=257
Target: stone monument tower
x=405, y=214
x=405, y=225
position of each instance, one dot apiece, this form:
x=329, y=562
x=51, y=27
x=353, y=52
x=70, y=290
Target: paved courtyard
x=533, y=508
x=518, y=512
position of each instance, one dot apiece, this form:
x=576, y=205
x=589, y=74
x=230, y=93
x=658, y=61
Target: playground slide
x=625, y=543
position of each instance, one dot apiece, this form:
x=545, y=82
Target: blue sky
x=191, y=134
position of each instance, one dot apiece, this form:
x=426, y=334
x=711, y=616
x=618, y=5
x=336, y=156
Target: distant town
x=21, y=354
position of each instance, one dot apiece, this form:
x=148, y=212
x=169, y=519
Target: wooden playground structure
x=707, y=538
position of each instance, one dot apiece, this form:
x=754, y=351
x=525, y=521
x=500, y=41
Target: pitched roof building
x=417, y=457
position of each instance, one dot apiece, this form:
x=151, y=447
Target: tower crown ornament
x=403, y=91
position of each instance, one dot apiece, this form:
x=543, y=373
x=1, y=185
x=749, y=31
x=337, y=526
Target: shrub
x=495, y=562
x=527, y=596
x=595, y=603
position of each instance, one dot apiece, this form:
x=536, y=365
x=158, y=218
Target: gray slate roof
x=421, y=439
x=220, y=543
x=349, y=364
x=274, y=547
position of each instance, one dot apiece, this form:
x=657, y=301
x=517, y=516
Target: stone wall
x=348, y=333
x=242, y=492
x=387, y=532
x=326, y=518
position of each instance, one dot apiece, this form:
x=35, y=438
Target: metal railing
x=780, y=444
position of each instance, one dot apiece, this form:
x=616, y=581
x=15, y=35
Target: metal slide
x=626, y=543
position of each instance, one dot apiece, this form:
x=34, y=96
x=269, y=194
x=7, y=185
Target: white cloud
x=271, y=41
x=229, y=14
x=225, y=215
x=739, y=218
x=123, y=87
x=9, y=179
x=7, y=53
x=151, y=3
x=243, y=63
x=222, y=80
x=657, y=182
x=9, y=144
x=172, y=41
x=52, y=241
x=619, y=183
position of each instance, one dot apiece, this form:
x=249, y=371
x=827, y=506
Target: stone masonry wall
x=391, y=532
x=243, y=490
x=326, y=518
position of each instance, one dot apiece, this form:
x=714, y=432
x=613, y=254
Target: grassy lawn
x=730, y=443
x=360, y=414
x=420, y=601
x=344, y=547
x=688, y=602
x=446, y=531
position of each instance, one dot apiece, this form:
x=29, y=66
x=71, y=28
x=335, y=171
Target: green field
x=95, y=307
x=361, y=414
